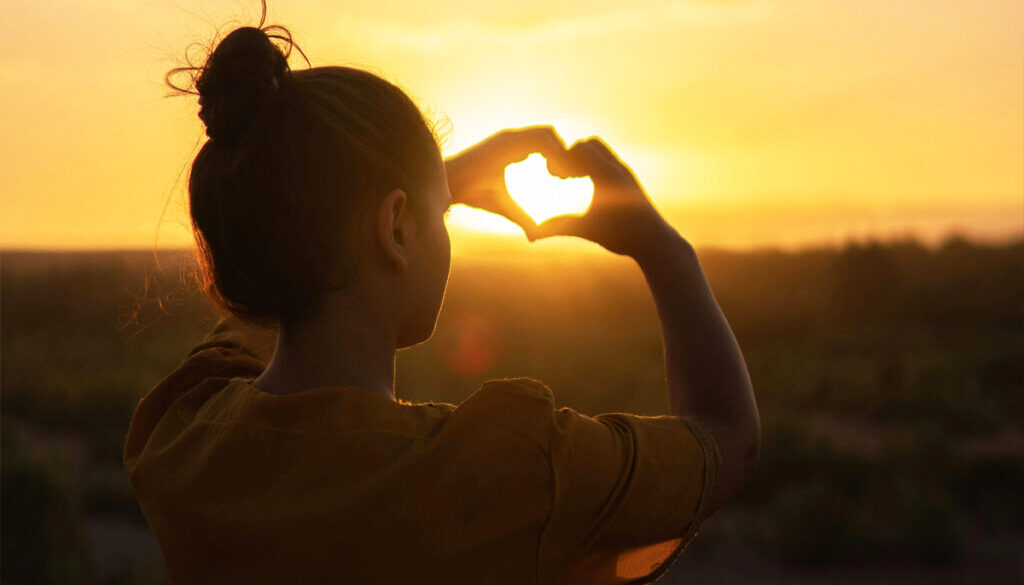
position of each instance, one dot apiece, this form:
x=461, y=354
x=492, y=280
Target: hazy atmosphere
x=751, y=123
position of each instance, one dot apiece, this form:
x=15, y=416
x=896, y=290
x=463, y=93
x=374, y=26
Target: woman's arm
x=706, y=373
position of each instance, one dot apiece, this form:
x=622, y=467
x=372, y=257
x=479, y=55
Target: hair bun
x=240, y=77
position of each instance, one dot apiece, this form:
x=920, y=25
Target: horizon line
x=489, y=247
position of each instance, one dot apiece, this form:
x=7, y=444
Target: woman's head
x=288, y=197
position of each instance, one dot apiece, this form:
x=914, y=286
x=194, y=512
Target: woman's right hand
x=476, y=176
x=620, y=218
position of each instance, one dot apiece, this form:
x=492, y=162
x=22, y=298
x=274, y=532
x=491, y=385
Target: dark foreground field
x=890, y=379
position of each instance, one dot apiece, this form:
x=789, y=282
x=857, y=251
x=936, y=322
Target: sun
x=542, y=195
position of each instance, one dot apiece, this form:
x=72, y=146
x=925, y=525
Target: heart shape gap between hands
x=542, y=195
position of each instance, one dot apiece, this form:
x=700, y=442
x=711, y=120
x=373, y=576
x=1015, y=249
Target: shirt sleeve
x=629, y=493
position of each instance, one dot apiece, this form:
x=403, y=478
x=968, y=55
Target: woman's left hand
x=476, y=176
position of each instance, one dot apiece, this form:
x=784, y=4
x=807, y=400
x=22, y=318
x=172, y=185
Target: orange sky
x=750, y=123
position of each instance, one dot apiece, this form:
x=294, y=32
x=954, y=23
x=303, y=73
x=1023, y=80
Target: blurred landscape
x=890, y=378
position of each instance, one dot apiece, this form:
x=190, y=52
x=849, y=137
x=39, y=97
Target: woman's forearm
x=707, y=376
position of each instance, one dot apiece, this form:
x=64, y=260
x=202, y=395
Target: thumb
x=561, y=225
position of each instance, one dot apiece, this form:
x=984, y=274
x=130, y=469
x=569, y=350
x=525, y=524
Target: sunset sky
x=750, y=123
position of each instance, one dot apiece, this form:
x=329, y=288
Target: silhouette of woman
x=318, y=206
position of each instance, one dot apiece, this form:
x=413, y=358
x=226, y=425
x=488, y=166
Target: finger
x=550, y=144
x=609, y=156
x=602, y=147
x=572, y=163
x=593, y=158
x=561, y=225
x=580, y=160
x=497, y=200
x=603, y=158
x=522, y=142
x=518, y=216
x=566, y=164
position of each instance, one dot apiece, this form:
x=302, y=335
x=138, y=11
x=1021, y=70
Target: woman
x=318, y=206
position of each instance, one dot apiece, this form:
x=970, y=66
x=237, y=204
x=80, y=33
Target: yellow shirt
x=342, y=485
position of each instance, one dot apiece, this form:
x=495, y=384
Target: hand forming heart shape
x=477, y=175
x=614, y=211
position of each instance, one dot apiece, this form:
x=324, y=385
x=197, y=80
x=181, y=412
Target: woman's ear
x=392, y=228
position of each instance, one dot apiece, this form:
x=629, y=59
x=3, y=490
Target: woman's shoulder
x=510, y=396
x=516, y=407
x=519, y=388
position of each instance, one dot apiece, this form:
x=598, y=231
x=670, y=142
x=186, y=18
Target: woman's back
x=340, y=484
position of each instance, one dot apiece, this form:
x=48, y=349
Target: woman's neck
x=343, y=343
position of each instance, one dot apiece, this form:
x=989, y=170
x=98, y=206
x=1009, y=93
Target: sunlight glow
x=469, y=218
x=742, y=136
x=542, y=195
